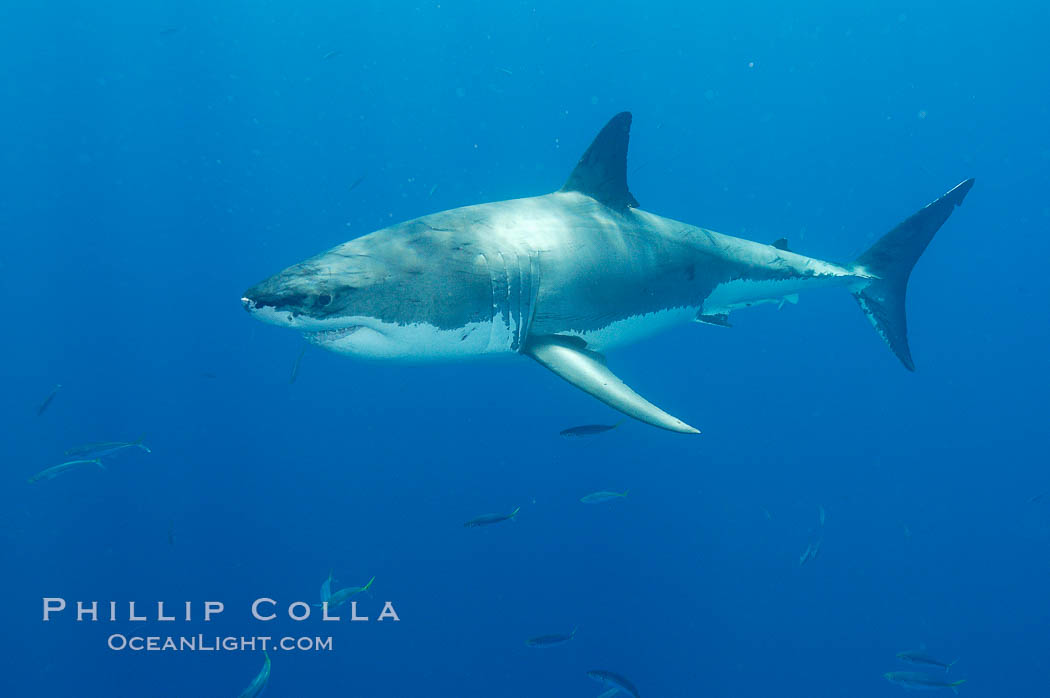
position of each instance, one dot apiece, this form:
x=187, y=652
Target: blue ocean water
x=160, y=158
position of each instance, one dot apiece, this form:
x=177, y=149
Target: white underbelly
x=423, y=342
x=634, y=328
x=744, y=293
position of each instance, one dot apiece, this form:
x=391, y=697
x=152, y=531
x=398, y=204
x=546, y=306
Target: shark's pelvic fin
x=602, y=171
x=890, y=261
x=569, y=358
x=719, y=319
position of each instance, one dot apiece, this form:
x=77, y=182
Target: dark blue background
x=156, y=161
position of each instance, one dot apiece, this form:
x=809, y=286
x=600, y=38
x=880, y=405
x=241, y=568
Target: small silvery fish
x=920, y=682
x=47, y=400
x=550, y=640
x=603, y=496
x=258, y=684
x=587, y=430
x=614, y=682
x=105, y=448
x=56, y=470
x=295, y=366
x=357, y=182
x=810, y=553
x=489, y=519
x=923, y=659
x=343, y=595
x=326, y=590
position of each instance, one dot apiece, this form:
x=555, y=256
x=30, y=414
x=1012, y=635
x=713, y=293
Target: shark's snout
x=273, y=303
x=258, y=298
x=274, y=294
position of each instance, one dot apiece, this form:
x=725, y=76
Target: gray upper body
x=561, y=277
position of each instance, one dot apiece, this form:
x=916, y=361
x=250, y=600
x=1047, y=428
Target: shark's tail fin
x=954, y=685
x=890, y=260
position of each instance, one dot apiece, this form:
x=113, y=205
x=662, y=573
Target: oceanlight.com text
x=214, y=643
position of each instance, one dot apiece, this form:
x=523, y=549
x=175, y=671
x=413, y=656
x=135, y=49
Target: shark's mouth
x=327, y=336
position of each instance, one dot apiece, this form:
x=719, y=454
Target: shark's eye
x=324, y=299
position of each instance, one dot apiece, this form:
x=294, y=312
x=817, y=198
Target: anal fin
x=587, y=371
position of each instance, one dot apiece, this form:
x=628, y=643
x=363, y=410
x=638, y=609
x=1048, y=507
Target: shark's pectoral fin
x=569, y=358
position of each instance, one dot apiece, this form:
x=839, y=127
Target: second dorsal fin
x=602, y=171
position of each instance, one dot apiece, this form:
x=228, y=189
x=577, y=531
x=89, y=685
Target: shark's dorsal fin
x=588, y=372
x=602, y=171
x=781, y=244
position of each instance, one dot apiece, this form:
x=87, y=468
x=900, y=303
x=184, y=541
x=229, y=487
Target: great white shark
x=564, y=277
